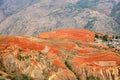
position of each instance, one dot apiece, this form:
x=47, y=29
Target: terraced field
x=69, y=54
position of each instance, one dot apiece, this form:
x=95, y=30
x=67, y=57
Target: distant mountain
x=102, y=6
x=30, y=17
x=9, y=7
x=116, y=13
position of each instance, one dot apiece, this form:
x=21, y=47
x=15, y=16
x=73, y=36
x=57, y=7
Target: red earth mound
x=51, y=53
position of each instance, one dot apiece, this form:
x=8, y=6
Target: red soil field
x=74, y=34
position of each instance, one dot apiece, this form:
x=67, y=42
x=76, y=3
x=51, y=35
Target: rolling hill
x=56, y=56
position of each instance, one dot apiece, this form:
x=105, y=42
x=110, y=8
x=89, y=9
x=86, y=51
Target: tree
x=105, y=38
x=96, y=36
x=116, y=37
x=21, y=77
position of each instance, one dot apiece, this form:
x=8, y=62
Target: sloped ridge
x=69, y=54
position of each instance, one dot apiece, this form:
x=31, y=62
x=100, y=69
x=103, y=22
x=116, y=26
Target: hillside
x=31, y=17
x=69, y=54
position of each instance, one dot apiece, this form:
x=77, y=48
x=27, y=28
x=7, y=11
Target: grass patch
x=21, y=77
x=70, y=68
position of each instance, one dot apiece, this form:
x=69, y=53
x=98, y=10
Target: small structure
x=114, y=43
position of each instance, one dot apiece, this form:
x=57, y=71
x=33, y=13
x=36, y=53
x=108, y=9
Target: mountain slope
x=116, y=13
x=102, y=6
x=10, y=7
x=45, y=17
x=30, y=17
